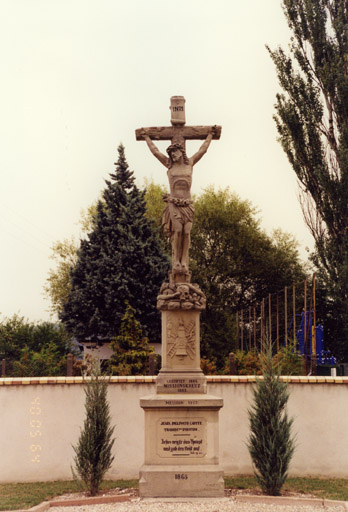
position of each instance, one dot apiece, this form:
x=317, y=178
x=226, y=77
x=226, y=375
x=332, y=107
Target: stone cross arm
x=178, y=133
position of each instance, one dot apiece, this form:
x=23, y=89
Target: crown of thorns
x=178, y=146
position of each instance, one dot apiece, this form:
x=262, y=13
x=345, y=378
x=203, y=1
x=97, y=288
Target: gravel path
x=208, y=505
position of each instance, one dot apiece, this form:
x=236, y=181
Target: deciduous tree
x=235, y=263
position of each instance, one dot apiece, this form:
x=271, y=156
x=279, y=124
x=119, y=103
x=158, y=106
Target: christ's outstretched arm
x=204, y=147
x=155, y=151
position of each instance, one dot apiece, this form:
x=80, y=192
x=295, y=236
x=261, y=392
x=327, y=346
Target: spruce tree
x=94, y=448
x=123, y=175
x=130, y=349
x=270, y=444
x=312, y=122
x=121, y=259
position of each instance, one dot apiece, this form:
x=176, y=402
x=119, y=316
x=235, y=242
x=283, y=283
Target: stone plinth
x=181, y=446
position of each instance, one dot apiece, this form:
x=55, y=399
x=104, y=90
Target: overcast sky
x=79, y=76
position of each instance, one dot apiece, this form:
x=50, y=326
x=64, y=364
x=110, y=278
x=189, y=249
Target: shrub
x=130, y=349
x=248, y=363
x=289, y=361
x=208, y=366
x=47, y=363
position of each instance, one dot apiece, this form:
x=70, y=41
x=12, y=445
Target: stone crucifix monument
x=181, y=419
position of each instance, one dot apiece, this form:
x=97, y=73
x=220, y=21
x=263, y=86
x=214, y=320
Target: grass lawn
x=332, y=489
x=26, y=495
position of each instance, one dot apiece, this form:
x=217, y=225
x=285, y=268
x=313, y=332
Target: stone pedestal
x=181, y=446
x=181, y=420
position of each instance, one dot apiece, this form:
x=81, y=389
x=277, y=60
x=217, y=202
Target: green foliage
x=94, y=448
x=312, y=122
x=121, y=259
x=154, y=210
x=33, y=349
x=58, y=282
x=64, y=254
x=154, y=201
x=289, y=361
x=130, y=349
x=270, y=443
x=46, y=363
x=248, y=363
x=235, y=263
x=123, y=175
x=208, y=366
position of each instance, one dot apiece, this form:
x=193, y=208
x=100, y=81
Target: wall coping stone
x=145, y=379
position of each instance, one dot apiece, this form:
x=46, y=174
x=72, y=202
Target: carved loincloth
x=178, y=209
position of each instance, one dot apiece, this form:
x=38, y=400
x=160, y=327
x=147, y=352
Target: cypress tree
x=121, y=259
x=270, y=444
x=93, y=450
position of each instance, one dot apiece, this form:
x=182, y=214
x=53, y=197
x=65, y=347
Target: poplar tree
x=121, y=259
x=312, y=122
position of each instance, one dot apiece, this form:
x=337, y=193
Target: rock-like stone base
x=164, y=481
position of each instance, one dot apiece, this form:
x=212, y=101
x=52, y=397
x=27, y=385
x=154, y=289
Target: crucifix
x=179, y=211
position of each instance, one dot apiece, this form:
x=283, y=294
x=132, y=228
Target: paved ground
x=206, y=505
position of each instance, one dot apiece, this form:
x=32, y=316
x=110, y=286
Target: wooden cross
x=178, y=133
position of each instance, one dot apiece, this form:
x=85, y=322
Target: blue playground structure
x=314, y=343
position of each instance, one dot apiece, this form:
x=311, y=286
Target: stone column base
x=163, y=481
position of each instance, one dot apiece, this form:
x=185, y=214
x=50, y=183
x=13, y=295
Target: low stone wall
x=41, y=420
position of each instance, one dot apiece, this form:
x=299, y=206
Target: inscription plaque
x=182, y=385
x=182, y=437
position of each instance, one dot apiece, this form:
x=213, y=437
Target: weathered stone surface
x=170, y=132
x=179, y=211
x=181, y=438
x=181, y=420
x=181, y=481
x=188, y=401
x=181, y=383
x=182, y=295
x=181, y=340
